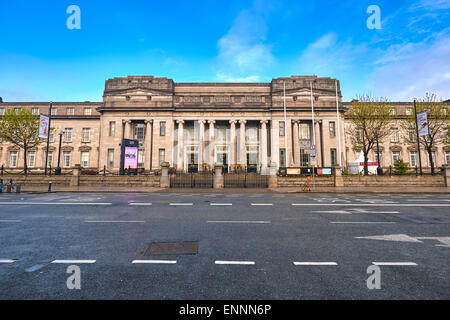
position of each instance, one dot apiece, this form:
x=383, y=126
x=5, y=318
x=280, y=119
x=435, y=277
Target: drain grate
x=172, y=248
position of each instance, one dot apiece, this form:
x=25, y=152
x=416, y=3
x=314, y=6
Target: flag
x=43, y=126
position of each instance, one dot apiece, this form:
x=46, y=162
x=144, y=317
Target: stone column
x=242, y=144
x=318, y=146
x=126, y=132
x=218, y=176
x=180, y=157
x=232, y=145
x=148, y=145
x=165, y=178
x=263, y=148
x=201, y=148
x=212, y=143
x=338, y=180
x=275, y=142
x=296, y=137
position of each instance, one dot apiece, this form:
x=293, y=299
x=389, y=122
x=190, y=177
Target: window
x=35, y=111
x=395, y=157
x=304, y=157
x=283, y=158
x=31, y=159
x=70, y=111
x=49, y=159
x=85, y=159
x=413, y=159
x=54, y=111
x=139, y=132
x=162, y=128
x=412, y=135
x=2, y=111
x=393, y=111
x=409, y=111
x=68, y=135
x=447, y=157
x=304, y=132
x=395, y=137
x=110, y=158
x=162, y=156
x=87, y=111
x=13, y=159
x=282, y=129
x=86, y=135
x=332, y=129
x=379, y=158
x=67, y=155
x=16, y=110
x=112, y=128
x=333, y=154
x=52, y=136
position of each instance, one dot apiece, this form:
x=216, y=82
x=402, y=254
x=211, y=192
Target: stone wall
x=394, y=181
x=288, y=182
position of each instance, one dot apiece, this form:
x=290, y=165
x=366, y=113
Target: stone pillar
x=180, y=157
x=318, y=146
x=275, y=142
x=232, y=145
x=201, y=148
x=446, y=175
x=75, y=179
x=242, y=144
x=165, y=178
x=338, y=180
x=218, y=176
x=263, y=148
x=148, y=144
x=273, y=178
x=296, y=137
x=126, y=132
x=212, y=143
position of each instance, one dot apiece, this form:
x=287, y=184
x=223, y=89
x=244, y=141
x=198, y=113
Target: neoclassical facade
x=194, y=125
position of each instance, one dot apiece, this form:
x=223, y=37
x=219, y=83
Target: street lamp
x=58, y=168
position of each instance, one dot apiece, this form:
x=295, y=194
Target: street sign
x=312, y=151
x=313, y=162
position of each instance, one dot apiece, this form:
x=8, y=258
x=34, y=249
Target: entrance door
x=222, y=156
x=252, y=159
x=191, y=159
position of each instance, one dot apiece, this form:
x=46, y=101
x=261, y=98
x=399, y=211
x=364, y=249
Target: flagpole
x=339, y=126
x=48, y=135
x=285, y=126
x=314, y=134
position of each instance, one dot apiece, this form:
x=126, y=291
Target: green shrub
x=401, y=167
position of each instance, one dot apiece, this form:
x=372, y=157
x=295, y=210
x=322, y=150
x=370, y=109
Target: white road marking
x=315, y=263
x=56, y=203
x=395, y=263
x=255, y=222
x=113, y=221
x=236, y=262
x=369, y=205
x=392, y=237
x=155, y=261
x=351, y=222
x=74, y=261
x=334, y=211
x=140, y=204
x=262, y=204
x=181, y=204
x=220, y=204
x=7, y=261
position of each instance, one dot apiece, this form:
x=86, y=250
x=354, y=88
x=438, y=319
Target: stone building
x=194, y=125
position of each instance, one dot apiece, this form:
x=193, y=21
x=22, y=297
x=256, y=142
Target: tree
x=438, y=122
x=20, y=128
x=369, y=121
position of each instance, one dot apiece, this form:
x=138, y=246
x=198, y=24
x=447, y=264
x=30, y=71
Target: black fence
x=202, y=180
x=245, y=180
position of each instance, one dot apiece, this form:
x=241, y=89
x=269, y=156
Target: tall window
x=68, y=135
x=283, y=158
x=86, y=135
x=87, y=111
x=110, y=158
x=333, y=154
x=162, y=128
x=51, y=136
x=412, y=135
x=447, y=157
x=70, y=111
x=112, y=128
x=305, y=133
x=35, y=111
x=395, y=157
x=162, y=156
x=67, y=156
x=13, y=159
x=282, y=129
x=413, y=158
x=49, y=159
x=139, y=132
x=85, y=159
x=332, y=129
x=395, y=137
x=54, y=111
x=31, y=159
x=304, y=158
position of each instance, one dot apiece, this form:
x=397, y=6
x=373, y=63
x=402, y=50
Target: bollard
x=49, y=186
x=17, y=188
x=8, y=188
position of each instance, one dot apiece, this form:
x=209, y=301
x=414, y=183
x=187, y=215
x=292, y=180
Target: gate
x=202, y=180
x=245, y=180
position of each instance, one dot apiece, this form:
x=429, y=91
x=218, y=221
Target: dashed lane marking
x=235, y=262
x=357, y=222
x=73, y=261
x=140, y=204
x=262, y=204
x=154, y=261
x=7, y=260
x=315, y=263
x=113, y=221
x=181, y=204
x=220, y=204
x=395, y=263
x=249, y=222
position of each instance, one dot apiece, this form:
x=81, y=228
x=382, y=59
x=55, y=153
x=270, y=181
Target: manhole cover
x=171, y=248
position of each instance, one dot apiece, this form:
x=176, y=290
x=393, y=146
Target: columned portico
x=181, y=151
x=212, y=143
x=242, y=143
x=232, y=146
x=263, y=149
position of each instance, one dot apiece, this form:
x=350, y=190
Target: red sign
x=370, y=164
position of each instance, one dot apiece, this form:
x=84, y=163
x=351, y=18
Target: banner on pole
x=422, y=124
x=43, y=126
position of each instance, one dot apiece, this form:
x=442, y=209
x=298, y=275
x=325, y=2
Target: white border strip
x=395, y=263
x=74, y=261
x=349, y=222
x=315, y=263
x=235, y=262
x=155, y=261
x=369, y=205
x=57, y=203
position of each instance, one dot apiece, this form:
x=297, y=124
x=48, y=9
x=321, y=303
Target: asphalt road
x=250, y=246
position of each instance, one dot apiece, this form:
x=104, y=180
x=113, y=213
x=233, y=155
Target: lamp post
x=58, y=168
x=379, y=169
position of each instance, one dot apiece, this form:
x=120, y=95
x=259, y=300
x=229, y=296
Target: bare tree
x=369, y=120
x=438, y=122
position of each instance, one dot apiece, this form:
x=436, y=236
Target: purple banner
x=131, y=157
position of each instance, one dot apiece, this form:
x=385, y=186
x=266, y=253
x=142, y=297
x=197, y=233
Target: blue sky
x=223, y=41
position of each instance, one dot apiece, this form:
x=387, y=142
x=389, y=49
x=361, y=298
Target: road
x=250, y=246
